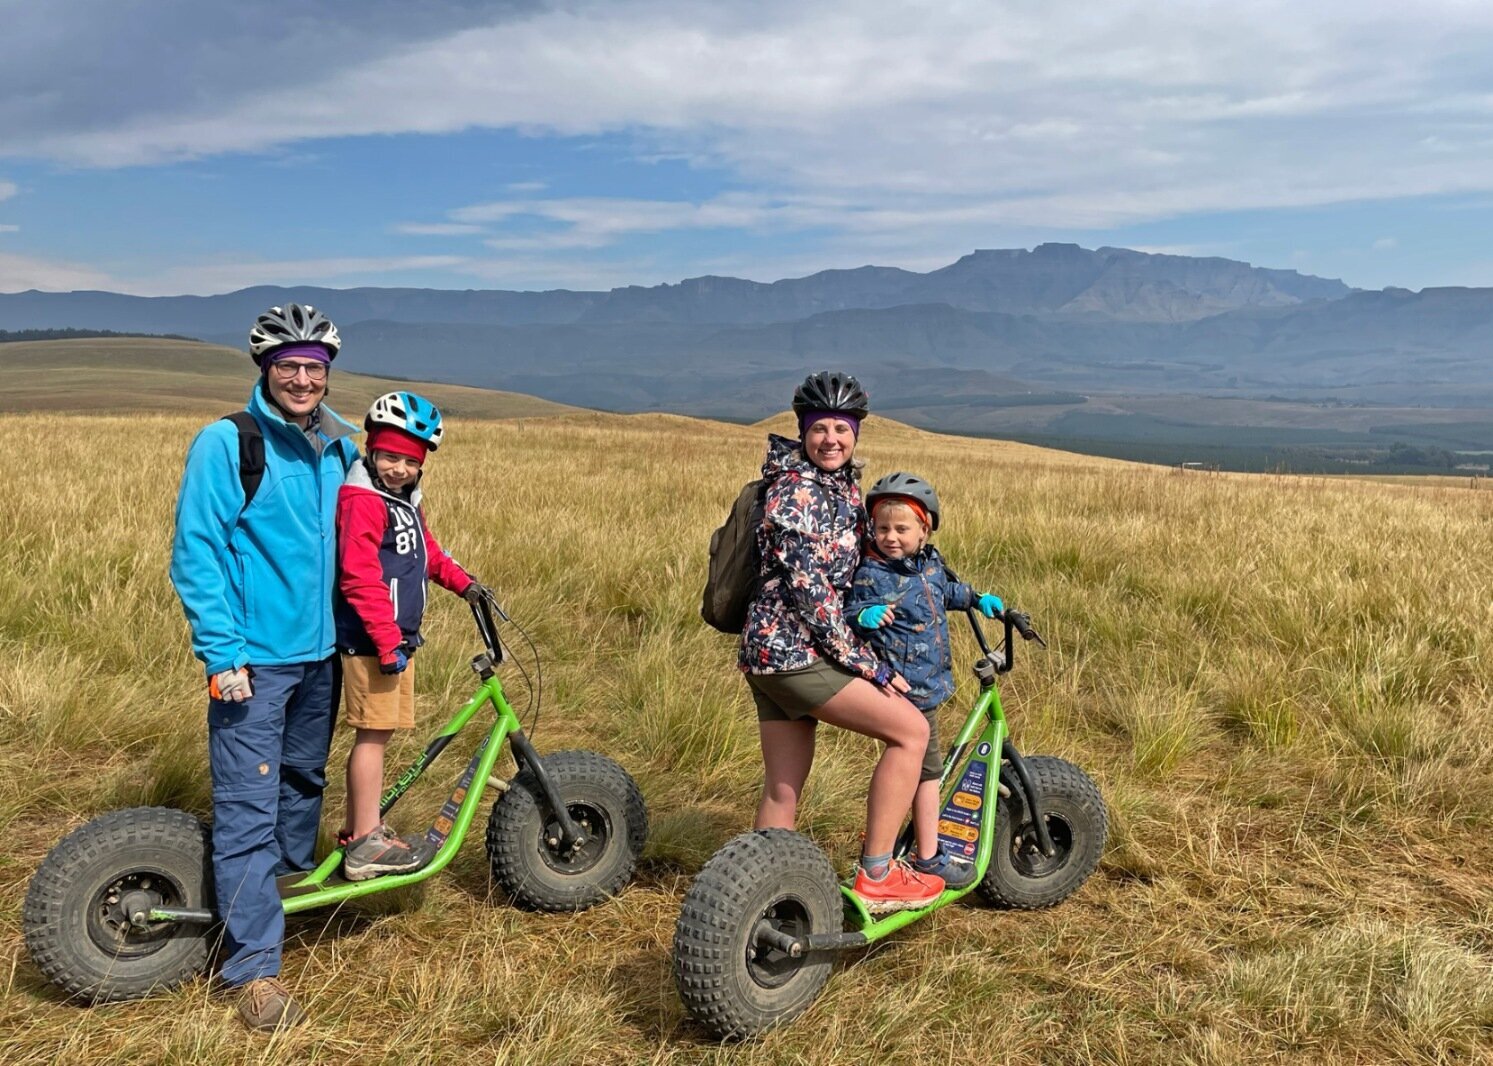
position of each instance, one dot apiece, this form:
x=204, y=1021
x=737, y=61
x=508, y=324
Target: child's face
x=899, y=533
x=395, y=471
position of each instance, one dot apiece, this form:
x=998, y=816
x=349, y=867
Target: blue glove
x=989, y=604
x=874, y=617
x=393, y=663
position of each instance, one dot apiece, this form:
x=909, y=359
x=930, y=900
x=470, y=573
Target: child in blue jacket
x=899, y=601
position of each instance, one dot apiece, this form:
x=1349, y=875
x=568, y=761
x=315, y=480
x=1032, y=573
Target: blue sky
x=173, y=146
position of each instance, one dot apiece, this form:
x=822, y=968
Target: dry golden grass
x=1281, y=686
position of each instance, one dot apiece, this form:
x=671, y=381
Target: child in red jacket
x=385, y=553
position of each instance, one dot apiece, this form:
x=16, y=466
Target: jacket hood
x=358, y=477
x=785, y=455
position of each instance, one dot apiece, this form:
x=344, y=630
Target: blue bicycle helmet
x=408, y=412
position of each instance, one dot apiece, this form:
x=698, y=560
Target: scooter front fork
x=570, y=835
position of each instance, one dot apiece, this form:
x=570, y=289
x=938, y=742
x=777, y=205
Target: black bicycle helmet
x=831, y=390
x=292, y=324
x=913, y=487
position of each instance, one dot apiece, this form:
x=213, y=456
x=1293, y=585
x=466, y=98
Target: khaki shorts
x=374, y=700
x=932, y=757
x=792, y=694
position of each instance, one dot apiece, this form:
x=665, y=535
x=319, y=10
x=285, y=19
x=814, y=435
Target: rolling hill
x=132, y=374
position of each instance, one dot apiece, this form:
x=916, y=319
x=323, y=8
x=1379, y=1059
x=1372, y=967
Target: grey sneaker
x=956, y=872
x=381, y=852
x=265, y=1006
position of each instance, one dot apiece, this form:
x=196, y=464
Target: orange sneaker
x=903, y=888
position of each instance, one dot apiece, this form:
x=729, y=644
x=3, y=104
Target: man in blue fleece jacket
x=255, y=577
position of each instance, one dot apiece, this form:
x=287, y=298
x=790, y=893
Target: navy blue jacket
x=916, y=643
x=385, y=552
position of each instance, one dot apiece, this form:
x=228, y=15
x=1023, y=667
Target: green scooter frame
x=123, y=906
x=763, y=920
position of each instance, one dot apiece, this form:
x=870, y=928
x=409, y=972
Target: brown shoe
x=265, y=1006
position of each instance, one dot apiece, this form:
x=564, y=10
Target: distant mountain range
x=994, y=329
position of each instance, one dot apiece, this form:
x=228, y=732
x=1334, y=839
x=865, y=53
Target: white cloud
x=6, y=227
x=893, y=131
x=8, y=189
x=1063, y=116
x=436, y=229
x=1385, y=244
x=19, y=273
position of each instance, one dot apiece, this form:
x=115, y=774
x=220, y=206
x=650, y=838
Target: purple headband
x=808, y=418
x=301, y=351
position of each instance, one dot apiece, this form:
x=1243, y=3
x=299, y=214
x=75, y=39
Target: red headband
x=389, y=439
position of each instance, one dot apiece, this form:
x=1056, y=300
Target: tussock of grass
x=1418, y=992
x=1281, y=686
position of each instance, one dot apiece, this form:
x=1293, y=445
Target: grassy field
x=1281, y=686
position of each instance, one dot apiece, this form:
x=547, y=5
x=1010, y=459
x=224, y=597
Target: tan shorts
x=791, y=695
x=375, y=700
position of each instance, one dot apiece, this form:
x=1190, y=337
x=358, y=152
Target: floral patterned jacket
x=810, y=539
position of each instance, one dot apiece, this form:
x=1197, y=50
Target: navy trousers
x=269, y=764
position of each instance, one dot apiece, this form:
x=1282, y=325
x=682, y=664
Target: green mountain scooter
x=761, y=923
x=124, y=906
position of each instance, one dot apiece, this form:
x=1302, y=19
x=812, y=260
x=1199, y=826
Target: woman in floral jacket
x=801, y=658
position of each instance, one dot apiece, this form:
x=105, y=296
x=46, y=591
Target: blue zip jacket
x=256, y=583
x=916, y=642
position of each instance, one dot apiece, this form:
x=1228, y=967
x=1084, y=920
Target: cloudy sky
x=171, y=146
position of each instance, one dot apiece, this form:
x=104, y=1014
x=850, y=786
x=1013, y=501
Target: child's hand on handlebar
x=989, y=604
x=874, y=617
x=476, y=592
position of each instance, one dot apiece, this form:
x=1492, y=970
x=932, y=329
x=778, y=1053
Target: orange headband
x=908, y=502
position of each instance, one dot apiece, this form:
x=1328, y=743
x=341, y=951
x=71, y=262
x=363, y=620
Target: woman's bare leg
x=787, y=754
x=880, y=713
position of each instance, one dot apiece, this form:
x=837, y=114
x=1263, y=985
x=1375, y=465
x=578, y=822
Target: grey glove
x=230, y=686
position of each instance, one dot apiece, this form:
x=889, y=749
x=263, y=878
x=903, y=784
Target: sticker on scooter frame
x=983, y=751
x=440, y=829
x=959, y=823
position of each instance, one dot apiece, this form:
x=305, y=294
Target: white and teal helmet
x=409, y=413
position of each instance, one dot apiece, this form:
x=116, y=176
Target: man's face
x=297, y=384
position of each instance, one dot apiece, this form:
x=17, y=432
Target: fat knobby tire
x=598, y=793
x=721, y=972
x=77, y=940
x=1019, y=876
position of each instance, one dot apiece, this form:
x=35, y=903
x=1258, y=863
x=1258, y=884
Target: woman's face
x=829, y=443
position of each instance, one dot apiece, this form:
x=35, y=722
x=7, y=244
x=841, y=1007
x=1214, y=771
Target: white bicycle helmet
x=292, y=324
x=409, y=413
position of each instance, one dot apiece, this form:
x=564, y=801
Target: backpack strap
x=250, y=453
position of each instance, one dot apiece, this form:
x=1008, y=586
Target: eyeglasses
x=287, y=370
